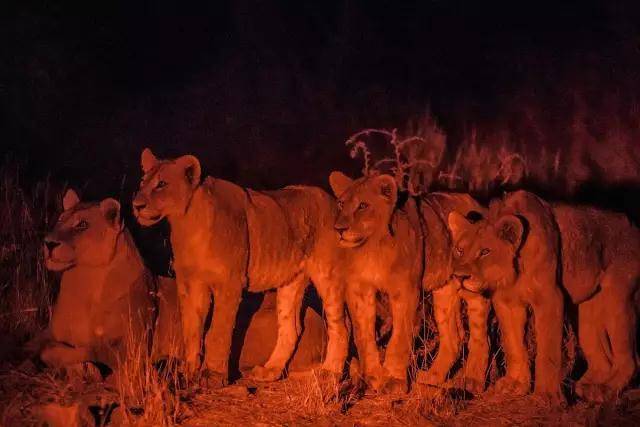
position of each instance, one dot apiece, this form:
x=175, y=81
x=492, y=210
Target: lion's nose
x=51, y=245
x=461, y=277
x=139, y=205
x=340, y=228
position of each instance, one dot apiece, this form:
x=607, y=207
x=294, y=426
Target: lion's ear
x=457, y=224
x=388, y=188
x=148, y=160
x=510, y=229
x=111, y=210
x=339, y=183
x=192, y=170
x=70, y=199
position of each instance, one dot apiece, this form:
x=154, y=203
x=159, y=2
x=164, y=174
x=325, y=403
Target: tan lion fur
x=226, y=238
x=105, y=304
x=524, y=253
x=390, y=247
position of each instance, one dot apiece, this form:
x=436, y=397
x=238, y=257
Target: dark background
x=266, y=92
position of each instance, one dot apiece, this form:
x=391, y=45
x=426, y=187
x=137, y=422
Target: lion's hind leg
x=621, y=329
x=289, y=300
x=595, y=346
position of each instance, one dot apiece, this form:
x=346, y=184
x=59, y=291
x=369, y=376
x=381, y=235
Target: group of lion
x=520, y=251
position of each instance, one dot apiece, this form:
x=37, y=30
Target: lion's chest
x=385, y=268
x=205, y=256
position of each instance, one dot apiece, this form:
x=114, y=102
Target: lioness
x=226, y=238
x=390, y=248
x=523, y=254
x=105, y=304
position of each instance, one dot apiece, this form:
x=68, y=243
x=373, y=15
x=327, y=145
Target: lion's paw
x=552, y=397
x=472, y=385
x=510, y=386
x=594, y=392
x=395, y=386
x=264, y=374
x=429, y=377
x=213, y=380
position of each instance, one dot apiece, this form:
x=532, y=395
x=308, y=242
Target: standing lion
x=226, y=238
x=526, y=253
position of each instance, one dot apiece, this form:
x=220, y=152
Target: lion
x=394, y=249
x=529, y=252
x=225, y=239
x=105, y=304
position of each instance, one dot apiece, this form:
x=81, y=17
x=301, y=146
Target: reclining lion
x=524, y=254
x=394, y=250
x=226, y=238
x=105, y=304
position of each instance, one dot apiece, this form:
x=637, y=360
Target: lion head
x=166, y=187
x=365, y=207
x=486, y=251
x=85, y=234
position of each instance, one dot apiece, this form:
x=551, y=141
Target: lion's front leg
x=331, y=292
x=226, y=301
x=194, y=298
x=475, y=368
x=403, y=312
x=512, y=317
x=361, y=301
x=289, y=300
x=549, y=320
x=446, y=309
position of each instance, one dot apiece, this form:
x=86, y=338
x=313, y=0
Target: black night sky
x=266, y=92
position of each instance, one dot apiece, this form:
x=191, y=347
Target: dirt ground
x=29, y=397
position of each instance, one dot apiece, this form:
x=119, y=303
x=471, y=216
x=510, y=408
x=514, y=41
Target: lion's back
x=593, y=241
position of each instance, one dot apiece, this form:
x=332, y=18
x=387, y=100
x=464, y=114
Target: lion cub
x=105, y=304
x=394, y=250
x=226, y=238
x=524, y=254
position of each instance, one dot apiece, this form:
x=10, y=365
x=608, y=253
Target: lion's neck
x=114, y=278
x=187, y=228
x=402, y=236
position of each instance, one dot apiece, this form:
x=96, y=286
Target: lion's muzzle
x=56, y=258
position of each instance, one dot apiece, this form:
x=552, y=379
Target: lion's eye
x=458, y=251
x=363, y=205
x=484, y=252
x=82, y=225
x=161, y=184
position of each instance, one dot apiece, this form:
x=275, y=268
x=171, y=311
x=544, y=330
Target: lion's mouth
x=54, y=264
x=351, y=243
x=472, y=286
x=148, y=220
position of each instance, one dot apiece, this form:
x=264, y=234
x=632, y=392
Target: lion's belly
x=277, y=251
